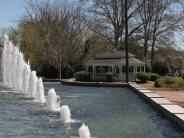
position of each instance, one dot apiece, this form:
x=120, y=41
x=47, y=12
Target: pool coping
x=171, y=110
x=93, y=84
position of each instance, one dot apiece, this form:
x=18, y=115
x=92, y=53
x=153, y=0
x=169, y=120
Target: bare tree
x=106, y=18
x=157, y=19
x=59, y=25
x=146, y=16
x=163, y=21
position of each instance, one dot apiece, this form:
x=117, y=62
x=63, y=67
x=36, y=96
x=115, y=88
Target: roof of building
x=114, y=58
x=113, y=55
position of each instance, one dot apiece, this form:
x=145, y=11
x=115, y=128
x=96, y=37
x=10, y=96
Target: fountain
x=19, y=71
x=53, y=101
x=65, y=114
x=4, y=60
x=9, y=62
x=17, y=75
x=14, y=66
x=32, y=84
x=9, y=58
x=40, y=97
x=84, y=131
x=26, y=73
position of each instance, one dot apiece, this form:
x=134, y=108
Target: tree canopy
x=62, y=35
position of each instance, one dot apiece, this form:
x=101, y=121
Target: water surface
x=109, y=113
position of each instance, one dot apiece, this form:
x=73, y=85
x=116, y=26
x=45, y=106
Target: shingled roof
x=113, y=55
x=114, y=58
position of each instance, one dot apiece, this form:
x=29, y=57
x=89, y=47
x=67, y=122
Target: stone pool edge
x=173, y=111
x=93, y=84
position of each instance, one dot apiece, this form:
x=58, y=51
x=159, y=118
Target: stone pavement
x=168, y=105
x=173, y=96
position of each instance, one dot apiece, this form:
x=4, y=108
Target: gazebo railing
x=100, y=76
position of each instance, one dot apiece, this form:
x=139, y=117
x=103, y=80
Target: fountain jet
x=19, y=71
x=65, y=114
x=53, y=101
x=32, y=84
x=40, y=97
x=26, y=78
x=84, y=131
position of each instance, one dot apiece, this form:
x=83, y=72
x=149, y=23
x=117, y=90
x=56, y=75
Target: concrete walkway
x=175, y=96
x=163, y=102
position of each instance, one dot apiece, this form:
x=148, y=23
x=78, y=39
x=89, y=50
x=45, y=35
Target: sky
x=10, y=12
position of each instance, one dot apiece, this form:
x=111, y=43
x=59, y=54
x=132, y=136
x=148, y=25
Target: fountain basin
x=109, y=113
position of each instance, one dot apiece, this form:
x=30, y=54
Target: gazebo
x=113, y=62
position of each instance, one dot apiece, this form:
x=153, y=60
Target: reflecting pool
x=109, y=113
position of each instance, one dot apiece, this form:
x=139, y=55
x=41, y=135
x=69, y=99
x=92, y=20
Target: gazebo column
x=135, y=69
x=112, y=69
x=87, y=68
x=120, y=72
x=94, y=70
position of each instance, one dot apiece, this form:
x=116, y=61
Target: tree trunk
x=152, y=51
x=145, y=48
x=116, y=41
x=60, y=73
x=60, y=69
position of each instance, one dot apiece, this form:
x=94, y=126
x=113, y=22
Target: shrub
x=154, y=76
x=170, y=82
x=82, y=76
x=110, y=76
x=158, y=83
x=143, y=76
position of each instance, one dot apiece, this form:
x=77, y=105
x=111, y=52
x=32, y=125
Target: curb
x=174, y=112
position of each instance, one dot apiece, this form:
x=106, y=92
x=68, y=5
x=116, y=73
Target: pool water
x=109, y=113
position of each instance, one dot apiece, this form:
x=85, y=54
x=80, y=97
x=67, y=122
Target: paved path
x=175, y=96
x=167, y=101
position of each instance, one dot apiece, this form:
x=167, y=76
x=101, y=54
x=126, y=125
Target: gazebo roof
x=114, y=58
x=113, y=55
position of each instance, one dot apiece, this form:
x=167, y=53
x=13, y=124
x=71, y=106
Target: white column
x=93, y=72
x=120, y=72
x=112, y=69
x=144, y=69
x=134, y=69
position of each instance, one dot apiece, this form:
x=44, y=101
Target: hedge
x=82, y=76
x=154, y=76
x=170, y=82
x=110, y=77
x=143, y=76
